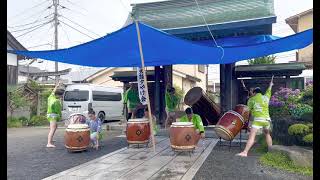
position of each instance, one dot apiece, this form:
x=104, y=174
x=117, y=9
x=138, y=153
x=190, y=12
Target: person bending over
x=95, y=129
x=197, y=122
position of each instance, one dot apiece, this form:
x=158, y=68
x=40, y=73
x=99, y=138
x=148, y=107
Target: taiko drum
x=138, y=131
x=182, y=136
x=202, y=105
x=243, y=110
x=77, y=137
x=229, y=125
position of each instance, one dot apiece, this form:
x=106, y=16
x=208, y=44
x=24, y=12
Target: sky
x=83, y=21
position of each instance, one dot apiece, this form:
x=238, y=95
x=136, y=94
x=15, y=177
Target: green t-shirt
x=131, y=97
x=196, y=120
x=54, y=108
x=259, y=105
x=172, y=101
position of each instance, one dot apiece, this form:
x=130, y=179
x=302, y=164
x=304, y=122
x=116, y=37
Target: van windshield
x=76, y=96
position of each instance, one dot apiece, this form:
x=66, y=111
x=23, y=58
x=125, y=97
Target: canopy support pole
x=146, y=85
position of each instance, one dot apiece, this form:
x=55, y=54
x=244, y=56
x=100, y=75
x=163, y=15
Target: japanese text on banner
x=141, y=87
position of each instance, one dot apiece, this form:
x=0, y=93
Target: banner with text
x=141, y=87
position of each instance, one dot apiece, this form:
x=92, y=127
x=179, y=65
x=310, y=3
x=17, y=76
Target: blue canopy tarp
x=121, y=49
x=240, y=41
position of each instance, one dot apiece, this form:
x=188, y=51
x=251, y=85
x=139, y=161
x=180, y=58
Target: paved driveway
x=29, y=159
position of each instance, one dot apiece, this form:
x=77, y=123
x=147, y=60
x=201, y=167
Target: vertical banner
x=141, y=86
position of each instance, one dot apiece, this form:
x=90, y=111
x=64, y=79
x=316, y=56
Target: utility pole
x=56, y=23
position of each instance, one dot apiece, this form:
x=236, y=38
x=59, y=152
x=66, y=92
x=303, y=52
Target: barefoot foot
x=50, y=146
x=242, y=154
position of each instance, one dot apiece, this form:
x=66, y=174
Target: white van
x=105, y=101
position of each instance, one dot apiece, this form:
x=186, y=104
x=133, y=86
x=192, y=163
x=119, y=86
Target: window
x=76, y=96
x=105, y=96
x=201, y=68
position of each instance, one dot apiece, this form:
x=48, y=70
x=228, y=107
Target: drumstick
x=271, y=82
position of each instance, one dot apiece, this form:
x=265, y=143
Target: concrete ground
x=223, y=164
x=28, y=158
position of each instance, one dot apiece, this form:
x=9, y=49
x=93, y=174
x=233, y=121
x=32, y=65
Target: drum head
x=139, y=120
x=76, y=114
x=78, y=126
x=223, y=133
x=237, y=114
x=177, y=124
x=241, y=105
x=193, y=96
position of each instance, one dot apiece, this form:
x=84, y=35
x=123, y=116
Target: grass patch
x=282, y=161
x=13, y=122
x=38, y=121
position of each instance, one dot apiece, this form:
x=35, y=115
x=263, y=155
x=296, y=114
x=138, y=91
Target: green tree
x=262, y=60
x=16, y=99
x=44, y=93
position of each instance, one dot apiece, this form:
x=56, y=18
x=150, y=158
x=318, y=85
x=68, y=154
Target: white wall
x=214, y=73
x=11, y=58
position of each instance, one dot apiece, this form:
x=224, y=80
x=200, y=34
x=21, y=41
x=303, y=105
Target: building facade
x=301, y=22
x=12, y=59
x=184, y=77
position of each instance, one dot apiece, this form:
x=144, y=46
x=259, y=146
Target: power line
x=27, y=24
x=40, y=45
x=81, y=26
x=31, y=37
x=33, y=29
x=66, y=34
x=36, y=14
x=64, y=7
x=39, y=4
x=122, y=4
x=40, y=35
x=76, y=5
x=76, y=29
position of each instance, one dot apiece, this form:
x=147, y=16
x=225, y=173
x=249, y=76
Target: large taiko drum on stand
x=202, y=105
x=138, y=131
x=229, y=125
x=182, y=136
x=77, y=137
x=243, y=110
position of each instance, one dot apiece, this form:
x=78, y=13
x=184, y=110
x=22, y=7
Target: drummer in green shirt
x=53, y=114
x=172, y=101
x=259, y=109
x=131, y=100
x=197, y=122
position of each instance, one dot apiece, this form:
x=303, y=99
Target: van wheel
x=101, y=116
